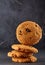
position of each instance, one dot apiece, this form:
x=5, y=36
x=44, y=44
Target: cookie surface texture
x=28, y=33
x=30, y=59
x=24, y=48
x=18, y=54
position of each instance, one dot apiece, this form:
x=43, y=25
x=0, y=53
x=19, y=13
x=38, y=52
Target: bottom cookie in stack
x=27, y=59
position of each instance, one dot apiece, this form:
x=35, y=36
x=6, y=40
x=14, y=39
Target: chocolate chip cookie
x=24, y=48
x=28, y=33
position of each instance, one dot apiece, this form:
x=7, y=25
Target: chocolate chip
x=20, y=33
x=36, y=25
x=19, y=49
x=28, y=30
x=15, y=55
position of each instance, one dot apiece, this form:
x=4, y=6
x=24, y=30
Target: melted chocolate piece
x=14, y=55
x=36, y=25
x=30, y=37
x=20, y=32
x=28, y=30
x=19, y=49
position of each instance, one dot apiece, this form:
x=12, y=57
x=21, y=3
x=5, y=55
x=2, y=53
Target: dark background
x=13, y=12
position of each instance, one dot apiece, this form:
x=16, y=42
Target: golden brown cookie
x=24, y=48
x=30, y=59
x=29, y=33
x=14, y=53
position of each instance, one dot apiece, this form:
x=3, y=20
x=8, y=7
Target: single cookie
x=24, y=48
x=29, y=33
x=14, y=53
x=30, y=59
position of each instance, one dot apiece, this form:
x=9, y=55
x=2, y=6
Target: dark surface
x=13, y=12
x=4, y=60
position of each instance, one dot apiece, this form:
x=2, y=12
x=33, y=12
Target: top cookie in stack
x=29, y=33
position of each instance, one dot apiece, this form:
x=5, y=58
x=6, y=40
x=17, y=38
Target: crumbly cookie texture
x=18, y=54
x=24, y=48
x=29, y=33
x=30, y=59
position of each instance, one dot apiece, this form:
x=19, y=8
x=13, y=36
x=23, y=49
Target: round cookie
x=30, y=59
x=24, y=48
x=29, y=33
x=14, y=53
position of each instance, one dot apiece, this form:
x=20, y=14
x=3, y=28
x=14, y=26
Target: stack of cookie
x=28, y=34
x=23, y=53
